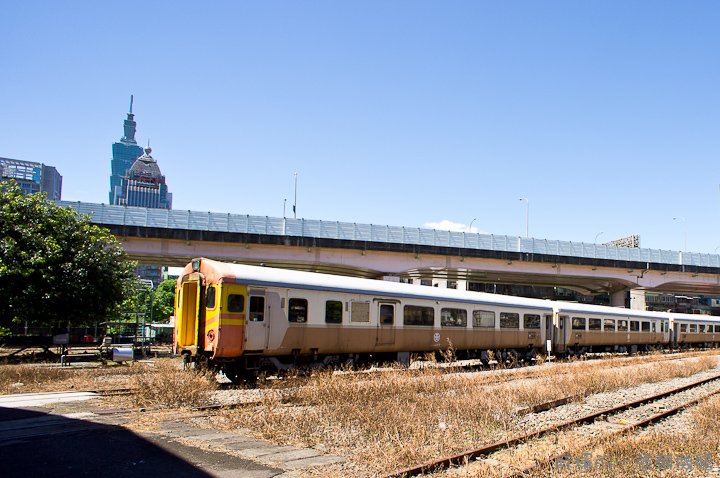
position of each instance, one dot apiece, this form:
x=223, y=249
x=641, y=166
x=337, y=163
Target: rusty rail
x=460, y=458
x=641, y=424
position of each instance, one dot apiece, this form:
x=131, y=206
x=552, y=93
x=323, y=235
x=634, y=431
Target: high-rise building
x=145, y=185
x=124, y=154
x=136, y=179
x=32, y=177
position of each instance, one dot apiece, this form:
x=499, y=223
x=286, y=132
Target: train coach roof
x=215, y=271
x=575, y=308
x=695, y=317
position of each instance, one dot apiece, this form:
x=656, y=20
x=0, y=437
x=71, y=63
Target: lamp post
x=596, y=237
x=527, y=216
x=295, y=204
x=150, y=284
x=684, y=231
x=471, y=223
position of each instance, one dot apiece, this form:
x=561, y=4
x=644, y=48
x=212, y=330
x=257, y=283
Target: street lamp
x=684, y=231
x=527, y=216
x=295, y=204
x=471, y=223
x=150, y=284
x=596, y=236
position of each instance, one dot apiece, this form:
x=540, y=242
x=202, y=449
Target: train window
x=609, y=325
x=683, y=328
x=634, y=326
x=622, y=325
x=483, y=318
x=531, y=321
x=693, y=328
x=417, y=315
x=333, y=312
x=594, y=324
x=709, y=329
x=717, y=329
x=701, y=328
x=653, y=327
x=578, y=323
x=297, y=310
x=509, y=320
x=257, y=307
x=360, y=312
x=453, y=317
x=387, y=314
x=645, y=326
x=236, y=303
x=210, y=298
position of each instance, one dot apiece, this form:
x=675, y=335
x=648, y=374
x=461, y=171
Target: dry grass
x=158, y=384
x=692, y=451
x=396, y=420
x=167, y=385
x=49, y=378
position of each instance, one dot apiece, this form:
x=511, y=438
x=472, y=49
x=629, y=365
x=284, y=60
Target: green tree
x=164, y=301
x=55, y=265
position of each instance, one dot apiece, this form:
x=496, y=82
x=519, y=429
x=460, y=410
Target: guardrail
x=221, y=222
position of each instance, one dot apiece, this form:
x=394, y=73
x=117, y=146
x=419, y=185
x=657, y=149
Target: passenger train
x=245, y=319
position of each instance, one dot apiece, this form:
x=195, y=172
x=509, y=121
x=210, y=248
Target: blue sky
x=605, y=115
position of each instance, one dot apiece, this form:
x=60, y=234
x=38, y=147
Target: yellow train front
x=210, y=313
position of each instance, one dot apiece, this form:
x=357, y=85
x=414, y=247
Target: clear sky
x=604, y=114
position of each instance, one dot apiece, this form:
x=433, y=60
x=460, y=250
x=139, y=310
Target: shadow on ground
x=37, y=444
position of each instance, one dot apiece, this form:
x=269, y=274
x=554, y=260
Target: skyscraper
x=145, y=185
x=124, y=154
x=32, y=177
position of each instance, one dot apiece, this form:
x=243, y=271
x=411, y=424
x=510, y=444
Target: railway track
x=615, y=420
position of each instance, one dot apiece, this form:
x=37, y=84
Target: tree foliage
x=163, y=304
x=55, y=265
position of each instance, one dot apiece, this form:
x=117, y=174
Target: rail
x=458, y=459
x=247, y=224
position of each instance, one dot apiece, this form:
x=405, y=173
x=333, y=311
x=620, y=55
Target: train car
x=247, y=318
x=244, y=319
x=584, y=328
x=691, y=330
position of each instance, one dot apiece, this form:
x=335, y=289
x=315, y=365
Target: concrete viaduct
x=173, y=237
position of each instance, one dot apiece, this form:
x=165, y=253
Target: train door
x=548, y=330
x=562, y=332
x=386, y=323
x=256, y=330
x=189, y=311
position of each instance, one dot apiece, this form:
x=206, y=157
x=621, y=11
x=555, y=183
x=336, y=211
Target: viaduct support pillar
x=617, y=299
x=637, y=299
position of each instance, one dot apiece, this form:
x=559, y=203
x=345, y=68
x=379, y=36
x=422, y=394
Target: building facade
x=32, y=177
x=144, y=185
x=124, y=154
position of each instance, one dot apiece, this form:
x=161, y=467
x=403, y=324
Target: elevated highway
x=173, y=237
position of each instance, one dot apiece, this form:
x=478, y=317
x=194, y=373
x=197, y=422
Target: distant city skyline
x=604, y=116
x=32, y=177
